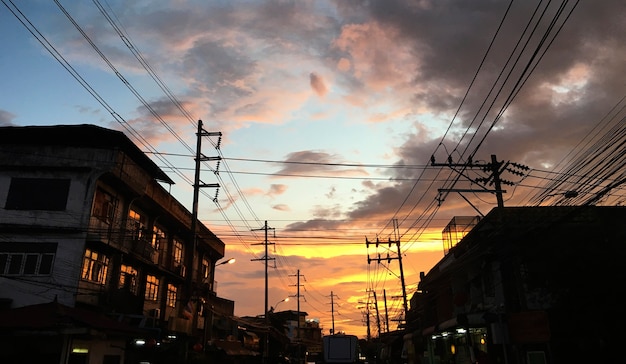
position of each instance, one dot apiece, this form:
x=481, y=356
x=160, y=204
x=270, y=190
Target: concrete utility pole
x=495, y=168
x=266, y=258
x=332, y=312
x=190, y=251
x=377, y=313
x=366, y=313
x=298, y=295
x=297, y=336
x=389, y=258
x=386, y=310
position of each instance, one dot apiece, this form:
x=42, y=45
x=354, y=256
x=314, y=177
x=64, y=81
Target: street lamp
x=279, y=302
x=208, y=321
x=229, y=261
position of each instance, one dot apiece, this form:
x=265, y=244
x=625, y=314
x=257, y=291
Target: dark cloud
x=317, y=84
x=308, y=162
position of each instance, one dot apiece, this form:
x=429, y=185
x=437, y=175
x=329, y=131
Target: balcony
x=181, y=270
x=145, y=250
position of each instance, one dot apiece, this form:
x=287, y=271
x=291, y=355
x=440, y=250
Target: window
x=177, y=252
x=206, y=268
x=171, y=295
x=27, y=258
x=152, y=288
x=136, y=225
x=158, y=236
x=48, y=194
x=128, y=278
x=95, y=267
x=104, y=206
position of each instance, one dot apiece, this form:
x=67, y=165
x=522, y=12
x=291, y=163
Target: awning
x=234, y=348
x=58, y=318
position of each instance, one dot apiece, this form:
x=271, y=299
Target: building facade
x=525, y=285
x=87, y=223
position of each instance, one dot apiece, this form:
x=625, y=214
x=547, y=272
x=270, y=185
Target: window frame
x=104, y=206
x=128, y=272
x=95, y=263
x=152, y=288
x=178, y=252
x=172, y=295
x=15, y=259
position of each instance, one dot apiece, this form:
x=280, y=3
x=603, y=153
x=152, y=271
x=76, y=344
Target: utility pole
x=266, y=258
x=190, y=251
x=377, y=314
x=297, y=336
x=366, y=313
x=386, y=310
x=389, y=259
x=332, y=312
x=495, y=168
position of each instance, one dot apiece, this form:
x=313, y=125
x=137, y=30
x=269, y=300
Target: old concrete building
x=86, y=223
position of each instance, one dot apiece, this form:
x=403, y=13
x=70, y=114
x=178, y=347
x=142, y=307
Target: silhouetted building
x=305, y=336
x=525, y=285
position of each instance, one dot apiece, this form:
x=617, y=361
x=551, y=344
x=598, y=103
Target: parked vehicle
x=340, y=348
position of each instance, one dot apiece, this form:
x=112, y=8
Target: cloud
x=277, y=189
x=281, y=207
x=413, y=66
x=6, y=118
x=318, y=85
x=308, y=162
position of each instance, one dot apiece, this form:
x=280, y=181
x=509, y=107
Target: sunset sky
x=330, y=112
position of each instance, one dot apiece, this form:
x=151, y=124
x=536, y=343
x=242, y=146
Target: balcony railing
x=145, y=250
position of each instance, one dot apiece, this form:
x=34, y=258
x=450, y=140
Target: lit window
x=206, y=268
x=158, y=236
x=95, y=267
x=177, y=252
x=136, y=225
x=171, y=295
x=128, y=278
x=152, y=288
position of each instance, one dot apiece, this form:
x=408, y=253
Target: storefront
x=457, y=345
